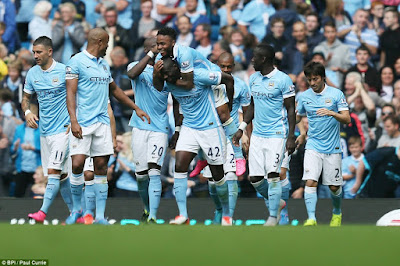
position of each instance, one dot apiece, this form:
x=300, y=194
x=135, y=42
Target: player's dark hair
x=45, y=41
x=394, y=119
x=267, y=51
x=354, y=140
x=314, y=69
x=167, y=31
x=363, y=47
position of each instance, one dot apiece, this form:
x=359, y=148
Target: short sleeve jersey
x=324, y=131
x=197, y=105
x=269, y=92
x=94, y=77
x=240, y=98
x=150, y=100
x=49, y=86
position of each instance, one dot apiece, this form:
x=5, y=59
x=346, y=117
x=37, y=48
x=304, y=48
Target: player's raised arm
x=122, y=98
x=72, y=88
x=150, y=47
x=158, y=80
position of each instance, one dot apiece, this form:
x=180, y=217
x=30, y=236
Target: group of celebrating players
x=76, y=127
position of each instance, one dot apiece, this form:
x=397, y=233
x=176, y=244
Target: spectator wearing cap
x=359, y=34
x=337, y=54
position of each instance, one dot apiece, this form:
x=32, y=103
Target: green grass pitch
x=201, y=245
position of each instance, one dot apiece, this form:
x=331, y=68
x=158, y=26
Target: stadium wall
x=359, y=211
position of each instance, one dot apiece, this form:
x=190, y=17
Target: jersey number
x=160, y=150
x=210, y=152
x=277, y=160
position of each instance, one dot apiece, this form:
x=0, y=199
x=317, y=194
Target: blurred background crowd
x=358, y=41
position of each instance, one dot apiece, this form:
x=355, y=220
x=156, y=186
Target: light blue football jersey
x=240, y=98
x=51, y=92
x=94, y=78
x=150, y=100
x=269, y=92
x=197, y=104
x=323, y=131
x=188, y=59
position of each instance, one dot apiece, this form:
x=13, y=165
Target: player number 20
x=160, y=150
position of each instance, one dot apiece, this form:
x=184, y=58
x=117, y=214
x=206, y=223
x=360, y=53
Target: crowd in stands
x=358, y=41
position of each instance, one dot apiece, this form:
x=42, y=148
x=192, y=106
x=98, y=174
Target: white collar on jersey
x=322, y=92
x=272, y=73
x=53, y=65
x=91, y=56
x=175, y=50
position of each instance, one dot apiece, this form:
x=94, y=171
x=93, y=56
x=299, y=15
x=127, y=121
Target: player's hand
x=142, y=115
x=68, y=129
x=300, y=141
x=114, y=144
x=290, y=145
x=236, y=138
x=324, y=111
x=298, y=193
x=352, y=169
x=157, y=67
x=76, y=130
x=174, y=139
x=245, y=143
x=355, y=188
x=31, y=120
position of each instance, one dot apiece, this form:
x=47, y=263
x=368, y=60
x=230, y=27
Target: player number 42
x=210, y=152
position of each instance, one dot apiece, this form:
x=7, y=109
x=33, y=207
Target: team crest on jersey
x=185, y=64
x=68, y=70
x=55, y=81
x=270, y=84
x=212, y=76
x=328, y=102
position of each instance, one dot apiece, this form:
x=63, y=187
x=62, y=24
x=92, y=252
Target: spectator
x=39, y=184
x=142, y=28
x=68, y=34
x=392, y=137
x=196, y=18
x=349, y=166
x=165, y=10
x=387, y=81
x=40, y=25
x=118, y=36
x=301, y=84
x=8, y=15
x=369, y=74
x=26, y=150
x=289, y=16
x=352, y=6
x=336, y=53
x=297, y=52
x=80, y=9
x=202, y=35
x=360, y=102
x=376, y=17
x=314, y=36
x=14, y=82
x=219, y=47
x=185, y=36
x=335, y=13
x=7, y=130
x=118, y=71
x=376, y=132
x=396, y=97
x=7, y=105
x=124, y=8
x=255, y=18
x=276, y=39
x=122, y=168
x=24, y=15
x=390, y=39
x=359, y=34
x=353, y=129
x=27, y=61
x=237, y=47
x=229, y=13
